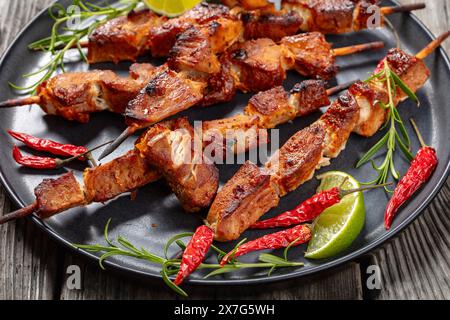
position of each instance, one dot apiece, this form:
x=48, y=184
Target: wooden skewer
x=339, y=88
x=403, y=8
x=21, y=213
x=432, y=46
x=20, y=102
x=345, y=51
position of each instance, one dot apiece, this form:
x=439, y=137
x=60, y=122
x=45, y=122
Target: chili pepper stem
x=26, y=211
x=344, y=193
x=61, y=163
x=419, y=135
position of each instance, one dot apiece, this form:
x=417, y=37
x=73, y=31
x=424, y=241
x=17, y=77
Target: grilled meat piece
x=75, y=95
x=258, y=64
x=167, y=93
x=312, y=55
x=123, y=38
x=163, y=38
x=241, y=202
x=221, y=87
x=196, y=49
x=296, y=160
x=57, y=195
x=339, y=121
x=308, y=96
x=123, y=174
x=248, y=4
x=272, y=107
x=270, y=24
x=170, y=148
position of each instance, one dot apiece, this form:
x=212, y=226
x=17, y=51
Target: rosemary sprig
x=63, y=38
x=396, y=135
x=170, y=267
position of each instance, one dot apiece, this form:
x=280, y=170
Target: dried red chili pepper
x=195, y=252
x=420, y=171
x=310, y=209
x=34, y=161
x=300, y=234
x=53, y=147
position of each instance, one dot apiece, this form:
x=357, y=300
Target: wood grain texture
x=28, y=258
x=415, y=265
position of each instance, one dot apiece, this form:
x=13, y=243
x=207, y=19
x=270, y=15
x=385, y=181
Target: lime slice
x=171, y=8
x=338, y=226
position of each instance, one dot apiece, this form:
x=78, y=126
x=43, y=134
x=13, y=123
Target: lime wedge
x=338, y=226
x=171, y=8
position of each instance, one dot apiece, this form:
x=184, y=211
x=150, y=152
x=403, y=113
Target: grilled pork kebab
x=252, y=191
x=254, y=66
x=144, y=32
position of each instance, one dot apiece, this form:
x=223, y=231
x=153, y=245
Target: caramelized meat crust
x=221, y=87
x=170, y=149
x=74, y=95
x=124, y=174
x=272, y=107
x=167, y=93
x=312, y=55
x=163, y=38
x=241, y=202
x=270, y=24
x=308, y=96
x=297, y=159
x=123, y=38
x=258, y=65
x=56, y=195
x=339, y=121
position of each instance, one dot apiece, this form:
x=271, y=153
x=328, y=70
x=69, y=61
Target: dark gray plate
x=157, y=205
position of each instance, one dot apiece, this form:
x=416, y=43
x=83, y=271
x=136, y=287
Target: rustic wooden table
x=415, y=265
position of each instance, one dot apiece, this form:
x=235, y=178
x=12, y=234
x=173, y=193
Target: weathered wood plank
x=416, y=265
x=27, y=256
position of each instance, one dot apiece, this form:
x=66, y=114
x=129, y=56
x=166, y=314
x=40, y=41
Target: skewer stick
x=339, y=88
x=345, y=51
x=20, y=102
x=432, y=46
x=118, y=141
x=403, y=8
x=21, y=213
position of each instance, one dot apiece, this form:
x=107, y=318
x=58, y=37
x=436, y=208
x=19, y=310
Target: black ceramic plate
x=156, y=205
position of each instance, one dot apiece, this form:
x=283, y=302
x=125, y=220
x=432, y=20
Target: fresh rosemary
x=396, y=134
x=62, y=38
x=170, y=266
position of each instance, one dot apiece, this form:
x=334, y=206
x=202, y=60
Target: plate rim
x=297, y=274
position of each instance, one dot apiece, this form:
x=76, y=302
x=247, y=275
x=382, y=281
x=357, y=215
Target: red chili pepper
x=53, y=147
x=307, y=211
x=422, y=167
x=195, y=252
x=282, y=239
x=34, y=161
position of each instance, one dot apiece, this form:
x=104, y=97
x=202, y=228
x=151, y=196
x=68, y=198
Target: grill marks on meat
x=126, y=173
x=75, y=95
x=258, y=64
x=196, y=49
x=57, y=195
x=123, y=38
x=295, y=162
x=270, y=24
x=241, y=202
x=167, y=93
x=170, y=148
x=311, y=54
x=310, y=148
x=163, y=38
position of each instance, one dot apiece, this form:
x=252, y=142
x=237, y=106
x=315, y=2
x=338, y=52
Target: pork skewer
x=143, y=32
x=253, y=191
x=328, y=17
x=254, y=66
x=129, y=172
x=74, y=96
